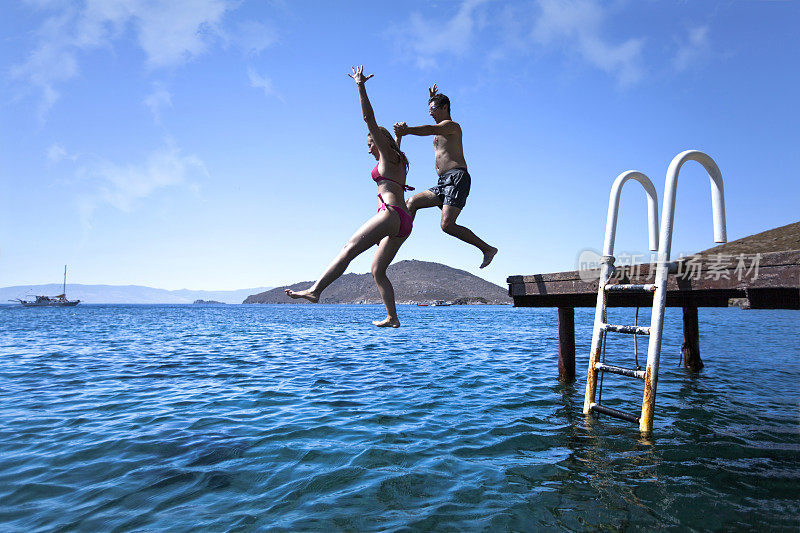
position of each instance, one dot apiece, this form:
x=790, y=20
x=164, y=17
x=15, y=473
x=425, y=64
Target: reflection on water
x=307, y=417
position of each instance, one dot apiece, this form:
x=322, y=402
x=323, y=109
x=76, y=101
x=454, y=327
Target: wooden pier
x=760, y=271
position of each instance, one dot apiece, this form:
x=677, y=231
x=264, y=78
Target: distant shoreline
x=410, y=304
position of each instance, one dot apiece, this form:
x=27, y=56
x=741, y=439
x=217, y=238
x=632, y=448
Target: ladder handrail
x=662, y=268
x=607, y=266
x=670, y=190
x=664, y=244
x=613, y=209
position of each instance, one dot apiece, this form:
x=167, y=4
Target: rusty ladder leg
x=566, y=344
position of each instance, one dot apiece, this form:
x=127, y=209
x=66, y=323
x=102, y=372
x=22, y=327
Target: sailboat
x=51, y=301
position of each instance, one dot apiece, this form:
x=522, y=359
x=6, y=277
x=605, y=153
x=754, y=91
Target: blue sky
x=218, y=144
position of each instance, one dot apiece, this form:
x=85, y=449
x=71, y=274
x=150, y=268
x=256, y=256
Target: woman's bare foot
x=307, y=294
x=488, y=255
x=387, y=323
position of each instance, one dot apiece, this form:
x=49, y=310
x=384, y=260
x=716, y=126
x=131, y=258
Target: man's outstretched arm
x=447, y=127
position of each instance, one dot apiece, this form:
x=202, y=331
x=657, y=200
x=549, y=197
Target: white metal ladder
x=658, y=288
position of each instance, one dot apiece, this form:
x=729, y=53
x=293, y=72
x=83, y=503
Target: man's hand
x=358, y=75
x=400, y=129
x=432, y=90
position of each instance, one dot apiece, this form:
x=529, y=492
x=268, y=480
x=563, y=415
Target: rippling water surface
x=309, y=418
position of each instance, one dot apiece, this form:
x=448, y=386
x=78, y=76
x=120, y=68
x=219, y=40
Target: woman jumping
x=388, y=228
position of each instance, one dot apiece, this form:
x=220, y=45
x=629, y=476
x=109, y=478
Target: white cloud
x=40, y=4
x=507, y=30
x=692, y=49
x=57, y=153
x=157, y=100
x=124, y=185
x=49, y=63
x=422, y=39
x=260, y=82
x=170, y=32
x=576, y=25
x=254, y=37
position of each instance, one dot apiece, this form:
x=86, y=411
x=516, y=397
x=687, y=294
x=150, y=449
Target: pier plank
x=702, y=280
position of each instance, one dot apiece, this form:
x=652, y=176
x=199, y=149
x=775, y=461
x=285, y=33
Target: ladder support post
x=690, y=349
x=566, y=344
x=654, y=346
x=591, y=376
x=597, y=334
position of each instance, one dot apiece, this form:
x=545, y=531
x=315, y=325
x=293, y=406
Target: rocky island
x=413, y=281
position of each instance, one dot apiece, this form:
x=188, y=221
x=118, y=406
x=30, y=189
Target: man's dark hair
x=439, y=100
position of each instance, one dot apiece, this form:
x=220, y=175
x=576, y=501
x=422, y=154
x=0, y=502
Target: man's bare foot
x=387, y=323
x=307, y=294
x=488, y=256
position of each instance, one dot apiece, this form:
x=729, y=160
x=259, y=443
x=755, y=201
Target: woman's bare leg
x=387, y=249
x=379, y=226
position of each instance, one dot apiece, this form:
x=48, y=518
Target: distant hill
x=774, y=240
x=413, y=281
x=126, y=294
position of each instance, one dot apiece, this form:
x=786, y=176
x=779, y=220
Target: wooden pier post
x=566, y=344
x=690, y=349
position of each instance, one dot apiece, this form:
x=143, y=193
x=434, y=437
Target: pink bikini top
x=376, y=177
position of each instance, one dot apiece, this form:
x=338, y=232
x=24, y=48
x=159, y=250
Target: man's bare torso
x=449, y=151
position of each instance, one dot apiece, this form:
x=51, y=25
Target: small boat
x=51, y=301
x=440, y=303
x=422, y=305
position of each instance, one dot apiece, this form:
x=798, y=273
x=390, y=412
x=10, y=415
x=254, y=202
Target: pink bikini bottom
x=406, y=222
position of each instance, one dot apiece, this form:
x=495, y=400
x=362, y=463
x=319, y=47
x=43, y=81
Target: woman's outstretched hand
x=358, y=75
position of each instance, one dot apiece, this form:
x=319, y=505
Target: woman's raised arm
x=366, y=109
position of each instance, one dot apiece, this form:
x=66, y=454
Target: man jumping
x=450, y=194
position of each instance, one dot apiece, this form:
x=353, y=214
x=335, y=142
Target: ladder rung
x=624, y=287
x=631, y=330
x=613, y=412
x=619, y=370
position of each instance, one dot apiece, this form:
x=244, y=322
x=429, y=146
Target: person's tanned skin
x=383, y=227
x=449, y=155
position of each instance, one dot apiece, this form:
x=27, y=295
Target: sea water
x=301, y=417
